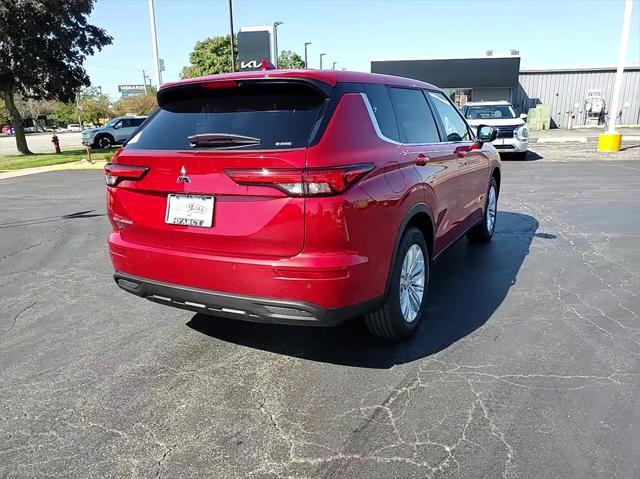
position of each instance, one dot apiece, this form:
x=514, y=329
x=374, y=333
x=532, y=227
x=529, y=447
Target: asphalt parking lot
x=528, y=366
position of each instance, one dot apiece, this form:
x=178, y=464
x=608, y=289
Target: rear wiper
x=220, y=140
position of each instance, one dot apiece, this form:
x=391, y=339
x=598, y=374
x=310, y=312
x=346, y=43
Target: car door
x=421, y=144
x=126, y=130
x=472, y=163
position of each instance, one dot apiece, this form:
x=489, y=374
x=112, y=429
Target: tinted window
x=455, y=127
x=126, y=123
x=383, y=110
x=415, y=121
x=280, y=115
x=137, y=121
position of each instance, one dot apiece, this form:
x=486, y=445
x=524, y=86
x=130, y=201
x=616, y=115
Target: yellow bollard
x=609, y=141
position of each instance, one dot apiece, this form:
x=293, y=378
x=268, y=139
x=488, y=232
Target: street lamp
x=233, y=47
x=306, y=64
x=154, y=43
x=321, y=55
x=334, y=65
x=275, y=40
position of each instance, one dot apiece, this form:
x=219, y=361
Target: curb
x=78, y=165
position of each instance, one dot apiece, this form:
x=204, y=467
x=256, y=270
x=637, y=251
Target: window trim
x=471, y=138
x=435, y=119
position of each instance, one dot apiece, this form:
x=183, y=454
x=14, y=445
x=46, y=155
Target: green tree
x=64, y=113
x=94, y=105
x=136, y=105
x=210, y=56
x=289, y=59
x=43, y=44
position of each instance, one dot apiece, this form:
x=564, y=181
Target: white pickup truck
x=513, y=134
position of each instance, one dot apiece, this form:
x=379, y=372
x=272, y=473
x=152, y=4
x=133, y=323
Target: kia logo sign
x=250, y=65
x=253, y=47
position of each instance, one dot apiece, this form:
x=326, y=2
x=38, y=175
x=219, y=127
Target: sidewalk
x=579, y=135
x=79, y=165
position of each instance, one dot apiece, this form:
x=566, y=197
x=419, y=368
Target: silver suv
x=116, y=131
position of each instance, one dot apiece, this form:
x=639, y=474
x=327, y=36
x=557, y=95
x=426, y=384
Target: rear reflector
x=303, y=182
x=117, y=173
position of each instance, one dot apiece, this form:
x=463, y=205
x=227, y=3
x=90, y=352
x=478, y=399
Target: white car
x=513, y=133
x=117, y=131
x=74, y=127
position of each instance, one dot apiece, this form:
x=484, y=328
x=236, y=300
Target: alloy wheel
x=491, y=209
x=412, y=281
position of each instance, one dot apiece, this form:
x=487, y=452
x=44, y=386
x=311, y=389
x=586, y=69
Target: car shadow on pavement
x=468, y=283
x=529, y=156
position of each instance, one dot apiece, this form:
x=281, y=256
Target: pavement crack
x=15, y=318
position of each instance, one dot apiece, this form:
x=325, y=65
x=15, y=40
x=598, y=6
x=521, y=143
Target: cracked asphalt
x=528, y=365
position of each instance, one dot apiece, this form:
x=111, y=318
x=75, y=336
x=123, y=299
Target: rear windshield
x=279, y=115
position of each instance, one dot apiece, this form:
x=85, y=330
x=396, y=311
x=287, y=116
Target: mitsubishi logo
x=183, y=178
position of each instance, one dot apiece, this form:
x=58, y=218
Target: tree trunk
x=16, y=121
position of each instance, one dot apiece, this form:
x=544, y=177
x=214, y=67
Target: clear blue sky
x=547, y=32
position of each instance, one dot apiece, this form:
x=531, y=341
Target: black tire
x=388, y=321
x=482, y=232
x=103, y=142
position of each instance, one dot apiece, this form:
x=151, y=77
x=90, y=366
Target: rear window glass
x=279, y=115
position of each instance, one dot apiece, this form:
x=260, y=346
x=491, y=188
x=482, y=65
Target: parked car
x=114, y=132
x=513, y=134
x=75, y=127
x=298, y=197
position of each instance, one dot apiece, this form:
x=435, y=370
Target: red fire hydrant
x=56, y=143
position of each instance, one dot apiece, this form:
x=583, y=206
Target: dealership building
x=574, y=93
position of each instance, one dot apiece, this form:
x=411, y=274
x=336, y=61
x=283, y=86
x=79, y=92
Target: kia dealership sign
x=254, y=45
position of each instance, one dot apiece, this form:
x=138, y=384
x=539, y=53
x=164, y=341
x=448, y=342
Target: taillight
x=303, y=182
x=114, y=174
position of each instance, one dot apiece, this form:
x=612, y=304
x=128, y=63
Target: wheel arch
x=497, y=175
x=418, y=216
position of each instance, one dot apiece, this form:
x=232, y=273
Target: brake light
x=303, y=182
x=114, y=174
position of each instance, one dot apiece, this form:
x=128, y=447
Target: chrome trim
x=376, y=126
x=374, y=121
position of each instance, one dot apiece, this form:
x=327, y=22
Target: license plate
x=190, y=210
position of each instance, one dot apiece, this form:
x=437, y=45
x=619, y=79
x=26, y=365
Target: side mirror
x=117, y=125
x=486, y=134
x=523, y=116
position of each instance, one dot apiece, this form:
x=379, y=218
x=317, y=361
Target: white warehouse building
x=566, y=89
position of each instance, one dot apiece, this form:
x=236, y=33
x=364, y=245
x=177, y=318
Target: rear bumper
x=233, y=306
x=330, y=287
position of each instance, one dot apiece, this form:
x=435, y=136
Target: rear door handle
x=422, y=159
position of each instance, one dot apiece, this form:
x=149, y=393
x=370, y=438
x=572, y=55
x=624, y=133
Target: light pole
x=154, y=43
x=233, y=46
x=334, y=65
x=610, y=141
x=321, y=55
x=306, y=64
x=275, y=41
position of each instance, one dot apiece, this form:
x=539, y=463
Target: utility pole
x=610, y=141
x=78, y=108
x=306, y=64
x=233, y=46
x=321, y=55
x=154, y=43
x=144, y=80
x=334, y=65
x=275, y=41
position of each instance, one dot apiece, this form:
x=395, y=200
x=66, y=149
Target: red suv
x=298, y=197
